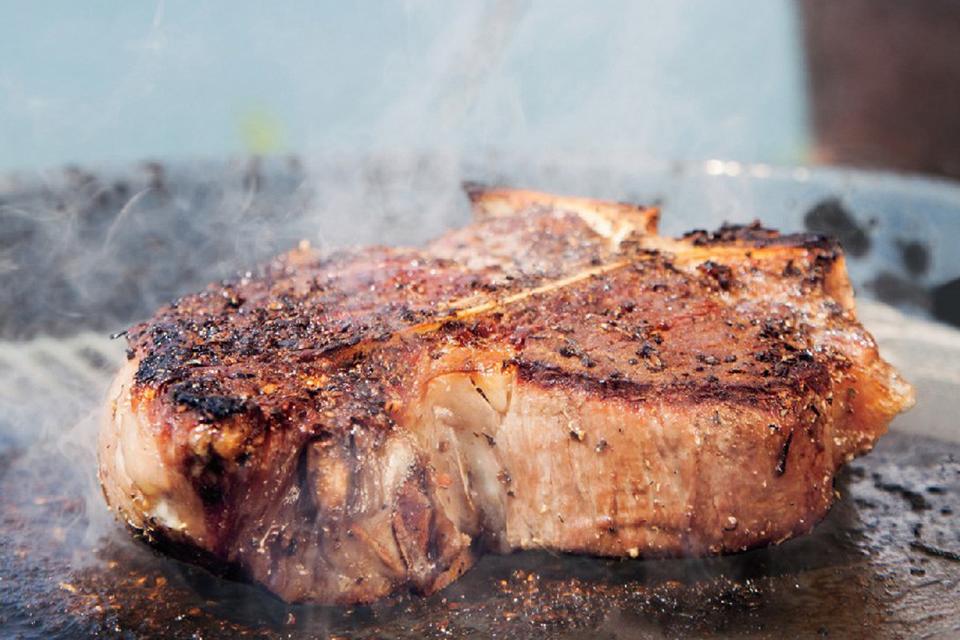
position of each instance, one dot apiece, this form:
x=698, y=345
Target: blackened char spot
x=781, y=467
x=211, y=406
x=832, y=218
x=158, y=367
x=721, y=273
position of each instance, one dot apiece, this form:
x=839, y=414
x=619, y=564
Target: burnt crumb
x=781, y=467
x=588, y=362
x=651, y=357
x=709, y=360
x=832, y=218
x=790, y=270
x=601, y=446
x=729, y=359
x=791, y=364
x=774, y=328
x=567, y=351
x=822, y=265
x=720, y=273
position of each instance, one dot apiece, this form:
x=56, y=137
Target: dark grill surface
x=82, y=255
x=884, y=564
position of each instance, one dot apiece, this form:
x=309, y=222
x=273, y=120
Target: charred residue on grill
x=915, y=499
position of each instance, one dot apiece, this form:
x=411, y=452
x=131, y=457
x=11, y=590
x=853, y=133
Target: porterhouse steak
x=342, y=425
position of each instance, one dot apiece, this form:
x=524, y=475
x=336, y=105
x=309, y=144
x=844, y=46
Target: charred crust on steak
x=204, y=398
x=279, y=328
x=758, y=236
x=169, y=543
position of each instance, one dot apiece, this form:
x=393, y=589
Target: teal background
x=111, y=82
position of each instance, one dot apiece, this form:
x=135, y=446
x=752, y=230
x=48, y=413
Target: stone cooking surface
x=884, y=564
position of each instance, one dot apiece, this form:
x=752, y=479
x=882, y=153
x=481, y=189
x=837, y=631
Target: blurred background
x=107, y=81
x=872, y=83
x=351, y=122
x=402, y=99
x=868, y=82
x=864, y=82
